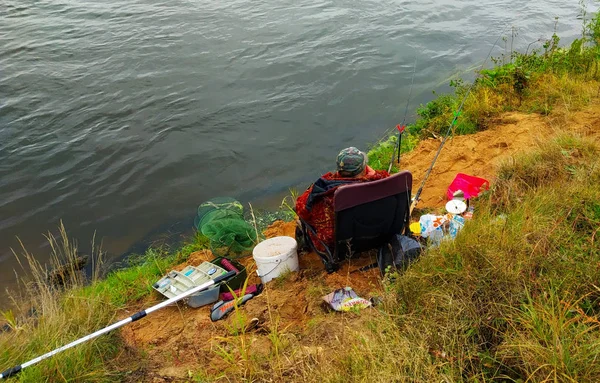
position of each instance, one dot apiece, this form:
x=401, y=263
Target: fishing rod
x=402, y=126
x=137, y=316
x=452, y=123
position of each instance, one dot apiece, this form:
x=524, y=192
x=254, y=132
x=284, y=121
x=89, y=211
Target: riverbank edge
x=503, y=88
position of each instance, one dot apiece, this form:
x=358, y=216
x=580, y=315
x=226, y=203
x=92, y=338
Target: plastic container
x=204, y=298
x=234, y=282
x=177, y=282
x=471, y=186
x=275, y=256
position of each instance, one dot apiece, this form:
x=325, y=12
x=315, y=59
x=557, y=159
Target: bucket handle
x=277, y=262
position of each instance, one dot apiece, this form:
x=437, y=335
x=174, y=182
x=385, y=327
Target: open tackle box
x=177, y=282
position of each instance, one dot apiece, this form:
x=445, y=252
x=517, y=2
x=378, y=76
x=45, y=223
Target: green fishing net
x=221, y=220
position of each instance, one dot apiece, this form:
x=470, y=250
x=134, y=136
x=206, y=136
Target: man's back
x=315, y=205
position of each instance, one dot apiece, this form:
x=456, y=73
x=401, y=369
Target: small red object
x=228, y=296
x=471, y=186
x=401, y=128
x=228, y=265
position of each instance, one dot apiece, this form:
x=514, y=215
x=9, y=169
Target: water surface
x=122, y=116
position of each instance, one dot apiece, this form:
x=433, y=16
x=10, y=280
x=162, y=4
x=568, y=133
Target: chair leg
x=331, y=267
x=303, y=244
x=327, y=258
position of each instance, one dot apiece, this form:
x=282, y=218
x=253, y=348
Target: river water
x=120, y=117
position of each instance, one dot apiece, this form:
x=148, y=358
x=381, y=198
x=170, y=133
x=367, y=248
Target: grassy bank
x=47, y=315
x=551, y=79
x=515, y=298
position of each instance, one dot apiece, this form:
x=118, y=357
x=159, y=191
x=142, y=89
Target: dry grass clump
x=568, y=159
x=522, y=275
x=48, y=313
x=514, y=298
x=57, y=303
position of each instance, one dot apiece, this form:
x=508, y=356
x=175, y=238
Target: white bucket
x=274, y=256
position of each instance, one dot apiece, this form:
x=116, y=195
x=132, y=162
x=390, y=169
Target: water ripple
x=118, y=116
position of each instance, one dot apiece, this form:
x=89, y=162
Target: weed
x=11, y=320
x=283, y=278
x=288, y=203
x=199, y=377
x=58, y=315
x=130, y=284
x=198, y=242
x=381, y=154
x=550, y=339
x=316, y=290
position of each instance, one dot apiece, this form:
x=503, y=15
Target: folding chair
x=367, y=215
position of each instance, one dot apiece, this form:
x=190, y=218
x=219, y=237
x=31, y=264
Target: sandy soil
x=476, y=154
x=179, y=339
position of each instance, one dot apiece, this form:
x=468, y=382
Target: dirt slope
x=476, y=154
x=178, y=340
x=479, y=154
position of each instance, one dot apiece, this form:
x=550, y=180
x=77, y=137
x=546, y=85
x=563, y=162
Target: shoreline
x=461, y=308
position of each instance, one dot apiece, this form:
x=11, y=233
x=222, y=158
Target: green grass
x=133, y=282
x=514, y=298
x=64, y=315
x=380, y=154
x=538, y=81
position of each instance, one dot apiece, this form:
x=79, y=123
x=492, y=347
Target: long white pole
x=133, y=318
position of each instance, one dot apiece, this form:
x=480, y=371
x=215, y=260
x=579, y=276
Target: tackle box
x=177, y=282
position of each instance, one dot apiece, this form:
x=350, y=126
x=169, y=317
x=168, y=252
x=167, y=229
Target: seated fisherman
x=315, y=205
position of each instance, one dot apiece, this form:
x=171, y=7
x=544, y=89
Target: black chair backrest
x=368, y=214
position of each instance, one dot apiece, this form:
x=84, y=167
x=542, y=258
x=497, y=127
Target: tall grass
x=515, y=298
x=46, y=315
x=384, y=152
